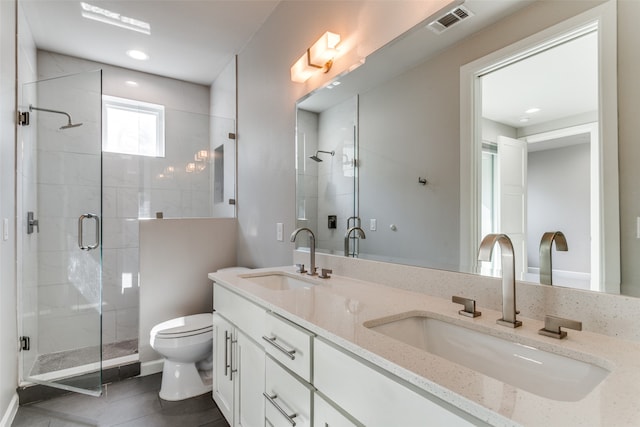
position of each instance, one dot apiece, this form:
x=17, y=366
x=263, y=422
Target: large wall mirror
x=505, y=122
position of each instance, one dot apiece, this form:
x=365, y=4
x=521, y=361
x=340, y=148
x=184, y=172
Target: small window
x=132, y=127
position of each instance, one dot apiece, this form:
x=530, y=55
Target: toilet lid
x=197, y=323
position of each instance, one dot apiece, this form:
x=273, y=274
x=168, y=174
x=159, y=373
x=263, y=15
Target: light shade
x=319, y=56
x=324, y=50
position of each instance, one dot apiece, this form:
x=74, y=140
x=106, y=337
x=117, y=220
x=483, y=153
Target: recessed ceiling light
x=532, y=110
x=105, y=16
x=524, y=119
x=131, y=83
x=137, y=54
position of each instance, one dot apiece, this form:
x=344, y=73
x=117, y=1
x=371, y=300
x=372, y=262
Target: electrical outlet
x=279, y=232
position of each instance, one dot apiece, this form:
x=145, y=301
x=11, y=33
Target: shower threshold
x=66, y=364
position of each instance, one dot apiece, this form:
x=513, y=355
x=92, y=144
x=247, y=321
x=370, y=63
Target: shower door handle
x=81, y=219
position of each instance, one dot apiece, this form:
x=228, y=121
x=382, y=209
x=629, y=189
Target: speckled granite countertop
x=336, y=309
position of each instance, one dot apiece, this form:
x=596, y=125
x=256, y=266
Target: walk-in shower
x=69, y=124
x=59, y=182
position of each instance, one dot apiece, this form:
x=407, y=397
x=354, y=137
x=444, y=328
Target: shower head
x=69, y=123
x=315, y=157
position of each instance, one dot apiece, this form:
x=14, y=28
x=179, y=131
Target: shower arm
x=31, y=108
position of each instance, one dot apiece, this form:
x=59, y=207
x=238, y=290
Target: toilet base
x=183, y=380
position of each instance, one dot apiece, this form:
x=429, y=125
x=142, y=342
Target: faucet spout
x=312, y=248
x=508, y=275
x=359, y=231
x=545, y=254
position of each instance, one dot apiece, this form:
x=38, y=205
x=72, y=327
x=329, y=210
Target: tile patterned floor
x=129, y=403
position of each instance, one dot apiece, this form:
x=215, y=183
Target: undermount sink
x=537, y=371
x=278, y=281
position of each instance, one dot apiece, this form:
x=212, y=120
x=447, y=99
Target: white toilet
x=186, y=344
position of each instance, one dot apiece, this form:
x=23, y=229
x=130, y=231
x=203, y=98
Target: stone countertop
x=337, y=308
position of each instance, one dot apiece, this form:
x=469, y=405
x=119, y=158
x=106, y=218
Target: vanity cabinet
x=270, y=371
x=239, y=362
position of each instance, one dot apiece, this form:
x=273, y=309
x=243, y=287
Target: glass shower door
x=60, y=187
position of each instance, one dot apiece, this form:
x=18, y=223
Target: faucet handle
x=469, y=306
x=324, y=273
x=300, y=268
x=552, y=325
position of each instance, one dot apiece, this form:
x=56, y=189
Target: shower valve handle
x=32, y=223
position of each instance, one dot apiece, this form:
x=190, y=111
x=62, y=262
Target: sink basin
x=278, y=281
x=540, y=372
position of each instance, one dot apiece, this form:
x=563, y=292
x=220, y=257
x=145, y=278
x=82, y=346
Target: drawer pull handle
x=282, y=411
x=272, y=341
x=227, y=338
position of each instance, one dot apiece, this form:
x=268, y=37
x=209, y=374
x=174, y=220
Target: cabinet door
x=249, y=402
x=223, y=340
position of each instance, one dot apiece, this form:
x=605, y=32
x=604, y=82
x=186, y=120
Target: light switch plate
x=373, y=224
x=5, y=228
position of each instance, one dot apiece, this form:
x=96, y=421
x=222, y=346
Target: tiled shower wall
x=326, y=188
x=133, y=187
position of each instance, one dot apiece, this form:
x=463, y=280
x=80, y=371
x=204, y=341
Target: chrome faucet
x=545, y=254
x=359, y=231
x=508, y=275
x=312, y=248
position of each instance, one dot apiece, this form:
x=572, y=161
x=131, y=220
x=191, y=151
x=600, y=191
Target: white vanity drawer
x=244, y=314
x=287, y=400
x=375, y=398
x=289, y=344
x=327, y=415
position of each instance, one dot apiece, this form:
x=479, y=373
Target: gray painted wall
x=421, y=108
x=175, y=257
x=558, y=199
x=628, y=148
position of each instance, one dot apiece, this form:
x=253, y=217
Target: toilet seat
x=185, y=326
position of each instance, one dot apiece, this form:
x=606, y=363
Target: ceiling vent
x=449, y=19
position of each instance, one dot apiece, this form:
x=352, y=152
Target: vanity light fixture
x=319, y=56
x=105, y=16
x=202, y=155
x=137, y=54
x=191, y=167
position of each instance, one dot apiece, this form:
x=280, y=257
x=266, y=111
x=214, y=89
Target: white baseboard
x=151, y=367
x=10, y=413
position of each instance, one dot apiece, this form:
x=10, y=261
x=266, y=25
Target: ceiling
x=191, y=40
x=560, y=82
